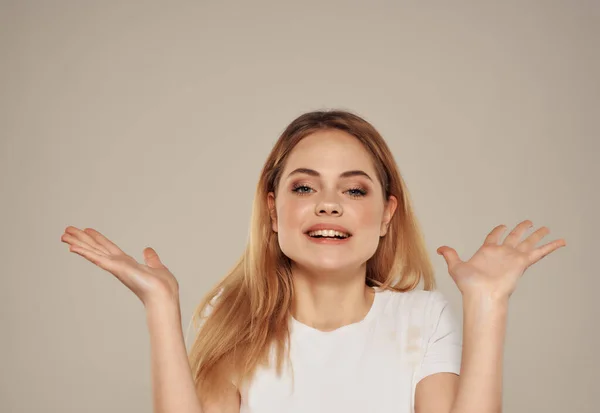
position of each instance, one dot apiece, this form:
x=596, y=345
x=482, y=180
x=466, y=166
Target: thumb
x=151, y=258
x=449, y=255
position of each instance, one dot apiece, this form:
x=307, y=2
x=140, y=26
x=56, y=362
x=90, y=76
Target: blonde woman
x=322, y=312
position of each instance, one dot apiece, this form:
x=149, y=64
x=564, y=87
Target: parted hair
x=244, y=319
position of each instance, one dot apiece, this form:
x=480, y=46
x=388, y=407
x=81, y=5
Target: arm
x=479, y=386
x=486, y=282
x=480, y=383
x=173, y=388
x=172, y=382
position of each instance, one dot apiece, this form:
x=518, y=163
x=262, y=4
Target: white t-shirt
x=370, y=366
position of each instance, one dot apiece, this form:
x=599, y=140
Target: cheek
x=368, y=216
x=292, y=213
x=367, y=221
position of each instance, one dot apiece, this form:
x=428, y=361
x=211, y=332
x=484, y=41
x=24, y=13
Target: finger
x=70, y=239
x=76, y=232
x=152, y=259
x=92, y=256
x=105, y=242
x=544, y=250
x=530, y=242
x=450, y=255
x=515, y=235
x=494, y=236
x=101, y=261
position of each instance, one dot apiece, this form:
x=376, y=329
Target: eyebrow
x=312, y=172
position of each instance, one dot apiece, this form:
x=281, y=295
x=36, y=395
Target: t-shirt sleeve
x=443, y=346
x=202, y=318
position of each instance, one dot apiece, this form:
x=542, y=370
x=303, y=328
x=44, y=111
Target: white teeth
x=328, y=233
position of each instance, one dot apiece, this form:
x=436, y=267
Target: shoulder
x=199, y=318
x=415, y=307
x=415, y=300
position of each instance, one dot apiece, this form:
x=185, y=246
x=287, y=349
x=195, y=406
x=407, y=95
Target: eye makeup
x=301, y=189
x=355, y=191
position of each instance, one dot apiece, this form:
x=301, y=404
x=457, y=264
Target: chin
x=327, y=264
x=325, y=258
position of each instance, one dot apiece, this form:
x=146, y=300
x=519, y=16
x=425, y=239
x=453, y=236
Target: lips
x=325, y=226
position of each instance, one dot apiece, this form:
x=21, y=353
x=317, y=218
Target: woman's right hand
x=149, y=282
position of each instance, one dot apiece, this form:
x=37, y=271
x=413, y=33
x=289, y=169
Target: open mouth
x=328, y=234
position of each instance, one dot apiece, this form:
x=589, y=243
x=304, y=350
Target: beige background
x=150, y=122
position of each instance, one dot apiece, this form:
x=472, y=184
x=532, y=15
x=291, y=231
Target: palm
x=505, y=261
x=495, y=268
x=145, y=281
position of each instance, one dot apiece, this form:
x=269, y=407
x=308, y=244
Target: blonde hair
x=250, y=317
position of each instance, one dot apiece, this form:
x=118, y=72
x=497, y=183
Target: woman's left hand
x=495, y=268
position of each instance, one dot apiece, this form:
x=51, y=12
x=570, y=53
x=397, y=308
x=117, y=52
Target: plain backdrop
x=150, y=122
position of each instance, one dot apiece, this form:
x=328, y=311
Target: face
x=329, y=183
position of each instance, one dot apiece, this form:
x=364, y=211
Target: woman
x=322, y=313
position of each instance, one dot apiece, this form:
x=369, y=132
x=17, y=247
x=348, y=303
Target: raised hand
x=495, y=268
x=150, y=281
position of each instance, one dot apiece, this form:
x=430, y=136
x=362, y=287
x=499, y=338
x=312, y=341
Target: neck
x=327, y=300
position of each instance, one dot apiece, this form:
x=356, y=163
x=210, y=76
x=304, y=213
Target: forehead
x=332, y=150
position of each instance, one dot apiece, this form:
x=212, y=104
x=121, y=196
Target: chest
x=359, y=371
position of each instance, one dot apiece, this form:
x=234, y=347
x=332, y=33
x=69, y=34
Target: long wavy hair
x=245, y=316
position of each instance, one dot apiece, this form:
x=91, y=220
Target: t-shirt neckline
x=370, y=314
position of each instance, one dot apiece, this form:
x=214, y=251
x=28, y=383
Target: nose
x=328, y=207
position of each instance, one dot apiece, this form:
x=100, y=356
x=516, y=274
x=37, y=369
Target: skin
x=486, y=281
x=321, y=273
x=329, y=280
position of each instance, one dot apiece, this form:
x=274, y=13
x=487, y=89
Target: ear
x=388, y=213
x=272, y=210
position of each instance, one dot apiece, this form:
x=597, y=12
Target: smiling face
x=329, y=181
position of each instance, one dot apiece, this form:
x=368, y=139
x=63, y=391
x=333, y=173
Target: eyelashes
x=358, y=192
x=303, y=189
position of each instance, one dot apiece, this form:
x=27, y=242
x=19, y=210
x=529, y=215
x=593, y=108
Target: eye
x=357, y=192
x=302, y=189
